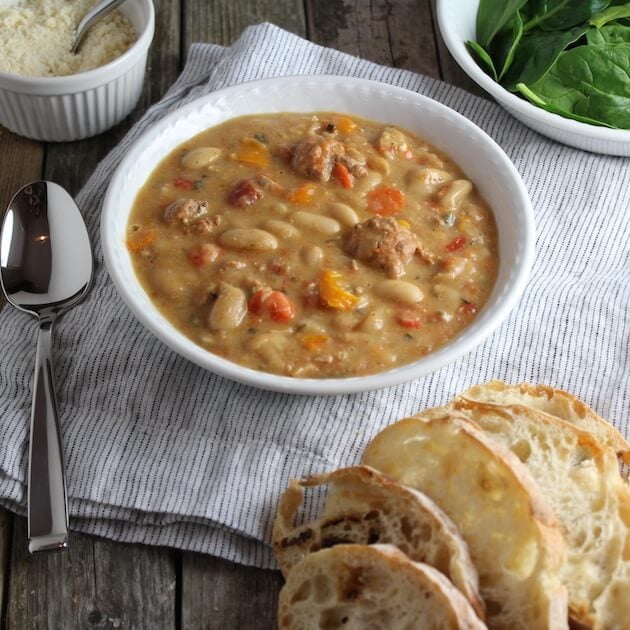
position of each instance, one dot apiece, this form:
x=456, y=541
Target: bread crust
x=357, y=579
x=436, y=438
x=360, y=493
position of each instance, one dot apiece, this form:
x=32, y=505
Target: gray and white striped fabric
x=161, y=452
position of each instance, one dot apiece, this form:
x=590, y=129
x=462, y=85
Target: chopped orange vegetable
x=302, y=194
x=140, y=240
x=385, y=200
x=343, y=176
x=275, y=304
x=184, y=182
x=333, y=294
x=313, y=341
x=408, y=318
x=252, y=152
x=344, y=124
x=457, y=243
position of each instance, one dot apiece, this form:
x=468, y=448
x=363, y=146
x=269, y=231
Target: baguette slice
x=370, y=587
x=512, y=534
x=580, y=480
x=556, y=403
x=365, y=507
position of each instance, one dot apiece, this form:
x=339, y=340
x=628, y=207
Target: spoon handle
x=47, y=504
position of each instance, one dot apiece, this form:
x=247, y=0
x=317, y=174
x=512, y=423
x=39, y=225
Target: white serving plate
x=471, y=148
x=457, y=19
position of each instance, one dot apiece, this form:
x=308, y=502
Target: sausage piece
x=245, y=193
x=186, y=211
x=315, y=156
x=383, y=243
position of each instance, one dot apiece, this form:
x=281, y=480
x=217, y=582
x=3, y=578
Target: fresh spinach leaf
x=554, y=109
x=591, y=82
x=557, y=15
x=610, y=14
x=611, y=34
x=492, y=16
x=483, y=58
x=536, y=53
x=504, y=45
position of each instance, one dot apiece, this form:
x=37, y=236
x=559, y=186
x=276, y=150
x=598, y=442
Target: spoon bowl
x=46, y=268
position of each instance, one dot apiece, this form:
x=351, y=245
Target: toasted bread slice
x=365, y=507
x=512, y=534
x=556, y=403
x=579, y=479
x=363, y=587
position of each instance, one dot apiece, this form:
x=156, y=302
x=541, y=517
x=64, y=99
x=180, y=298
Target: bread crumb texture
x=36, y=36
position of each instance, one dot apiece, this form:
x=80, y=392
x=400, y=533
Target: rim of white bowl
x=457, y=48
x=84, y=80
x=184, y=346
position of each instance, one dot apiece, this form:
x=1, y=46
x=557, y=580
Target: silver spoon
x=91, y=17
x=46, y=268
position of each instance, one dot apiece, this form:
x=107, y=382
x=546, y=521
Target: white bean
x=201, y=157
x=364, y=184
x=316, y=222
x=252, y=239
x=399, y=291
x=426, y=181
x=373, y=322
x=453, y=195
x=344, y=214
x=312, y=255
x=229, y=308
x=379, y=164
x=282, y=229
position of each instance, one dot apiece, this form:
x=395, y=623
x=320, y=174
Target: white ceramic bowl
x=478, y=155
x=60, y=109
x=457, y=19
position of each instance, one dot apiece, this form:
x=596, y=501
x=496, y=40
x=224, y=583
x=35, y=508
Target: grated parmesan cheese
x=36, y=35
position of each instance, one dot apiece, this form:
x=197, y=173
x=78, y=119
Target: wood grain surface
x=99, y=584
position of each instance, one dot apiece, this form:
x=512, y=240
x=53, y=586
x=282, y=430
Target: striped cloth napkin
x=161, y=452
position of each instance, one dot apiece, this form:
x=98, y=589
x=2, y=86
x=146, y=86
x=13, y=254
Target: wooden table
x=98, y=584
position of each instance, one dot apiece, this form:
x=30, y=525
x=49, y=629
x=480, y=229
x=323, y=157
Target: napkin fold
x=161, y=452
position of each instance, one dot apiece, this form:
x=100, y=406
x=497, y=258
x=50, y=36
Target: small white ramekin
x=60, y=109
x=457, y=19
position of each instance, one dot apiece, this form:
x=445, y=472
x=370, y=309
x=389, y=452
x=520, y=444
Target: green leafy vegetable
x=503, y=46
x=536, y=53
x=483, y=58
x=610, y=14
x=590, y=82
x=492, y=16
x=611, y=34
x=557, y=15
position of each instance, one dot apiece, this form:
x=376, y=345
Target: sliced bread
x=580, y=481
x=364, y=506
x=556, y=403
x=370, y=587
x=512, y=534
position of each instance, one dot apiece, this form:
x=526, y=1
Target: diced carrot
x=275, y=304
x=408, y=318
x=302, y=194
x=184, y=182
x=344, y=124
x=457, y=243
x=332, y=294
x=252, y=152
x=140, y=240
x=343, y=176
x=313, y=341
x=385, y=200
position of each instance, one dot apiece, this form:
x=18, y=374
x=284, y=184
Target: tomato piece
x=184, y=182
x=274, y=304
x=385, y=200
x=343, y=176
x=457, y=243
x=408, y=319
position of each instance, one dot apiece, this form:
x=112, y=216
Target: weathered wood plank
x=449, y=70
x=222, y=21
x=21, y=161
x=391, y=33
x=217, y=594
x=6, y=522
x=95, y=584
